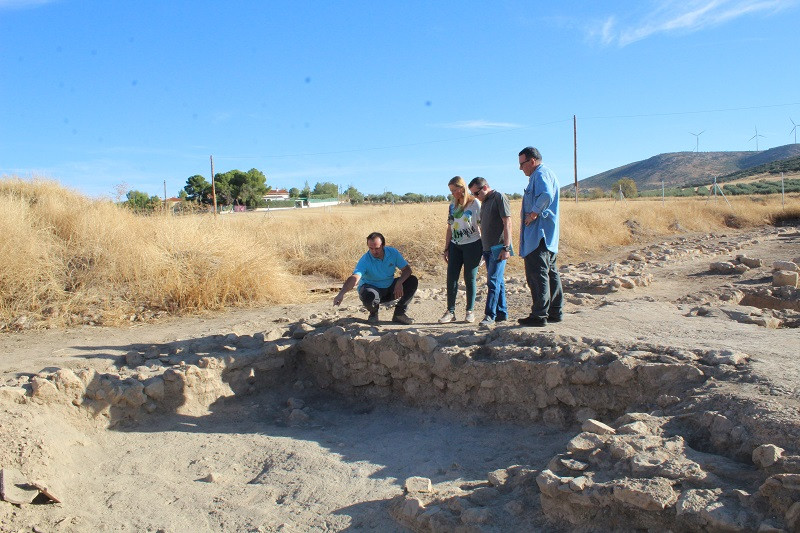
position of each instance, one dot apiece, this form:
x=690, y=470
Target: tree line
x=237, y=187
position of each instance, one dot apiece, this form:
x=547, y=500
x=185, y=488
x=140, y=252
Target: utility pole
x=165, y=196
x=575, y=153
x=213, y=187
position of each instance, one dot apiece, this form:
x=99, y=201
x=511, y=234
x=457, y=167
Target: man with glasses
x=538, y=240
x=374, y=274
x=496, y=241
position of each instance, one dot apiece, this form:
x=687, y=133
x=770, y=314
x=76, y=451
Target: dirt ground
x=243, y=466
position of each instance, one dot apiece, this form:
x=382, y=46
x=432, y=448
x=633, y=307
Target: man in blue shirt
x=374, y=274
x=538, y=241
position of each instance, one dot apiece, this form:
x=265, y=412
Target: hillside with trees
x=685, y=169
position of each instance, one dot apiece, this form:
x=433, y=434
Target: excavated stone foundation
x=659, y=442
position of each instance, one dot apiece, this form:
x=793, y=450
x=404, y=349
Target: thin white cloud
x=670, y=16
x=479, y=125
x=221, y=116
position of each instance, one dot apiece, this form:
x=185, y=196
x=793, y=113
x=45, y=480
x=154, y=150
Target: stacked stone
x=786, y=274
x=592, y=278
x=505, y=374
x=635, y=476
x=234, y=365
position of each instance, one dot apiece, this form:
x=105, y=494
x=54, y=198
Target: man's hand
x=446, y=255
x=348, y=284
x=504, y=254
x=530, y=218
x=398, y=290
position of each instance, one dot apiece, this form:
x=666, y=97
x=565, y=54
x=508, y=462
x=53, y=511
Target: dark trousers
x=467, y=256
x=544, y=282
x=372, y=296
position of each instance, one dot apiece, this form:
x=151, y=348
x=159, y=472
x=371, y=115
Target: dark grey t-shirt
x=494, y=207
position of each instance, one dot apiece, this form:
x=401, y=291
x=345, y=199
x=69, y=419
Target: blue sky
x=383, y=96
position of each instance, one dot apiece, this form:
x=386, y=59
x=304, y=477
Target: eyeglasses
x=522, y=163
x=476, y=193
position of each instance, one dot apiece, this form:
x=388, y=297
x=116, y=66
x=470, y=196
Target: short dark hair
x=376, y=235
x=531, y=153
x=478, y=182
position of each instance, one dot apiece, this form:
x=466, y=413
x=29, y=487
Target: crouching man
x=374, y=274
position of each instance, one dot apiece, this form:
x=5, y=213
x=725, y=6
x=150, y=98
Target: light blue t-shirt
x=541, y=196
x=379, y=272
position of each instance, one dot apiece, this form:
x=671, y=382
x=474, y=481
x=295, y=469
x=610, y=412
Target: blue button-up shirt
x=540, y=197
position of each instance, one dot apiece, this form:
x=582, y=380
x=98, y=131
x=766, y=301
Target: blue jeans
x=496, y=306
x=544, y=282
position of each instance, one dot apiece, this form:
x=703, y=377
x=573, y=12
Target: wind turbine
x=697, y=140
x=794, y=130
x=756, y=136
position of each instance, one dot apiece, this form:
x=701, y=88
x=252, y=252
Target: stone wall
x=507, y=374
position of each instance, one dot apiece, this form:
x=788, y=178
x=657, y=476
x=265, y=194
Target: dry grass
x=65, y=259
x=599, y=225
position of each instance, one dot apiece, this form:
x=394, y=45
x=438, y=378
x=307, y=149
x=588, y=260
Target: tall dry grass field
x=66, y=259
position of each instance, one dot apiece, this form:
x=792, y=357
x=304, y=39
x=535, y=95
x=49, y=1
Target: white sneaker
x=470, y=317
x=486, y=323
x=449, y=316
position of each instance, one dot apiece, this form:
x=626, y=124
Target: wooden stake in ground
x=213, y=188
x=575, y=153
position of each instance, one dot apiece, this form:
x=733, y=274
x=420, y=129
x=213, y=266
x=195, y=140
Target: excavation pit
x=513, y=429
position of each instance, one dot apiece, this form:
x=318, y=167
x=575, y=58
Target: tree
x=119, y=191
x=294, y=192
x=247, y=188
x=306, y=191
x=595, y=193
x=628, y=188
x=198, y=189
x=327, y=189
x=355, y=196
x=139, y=200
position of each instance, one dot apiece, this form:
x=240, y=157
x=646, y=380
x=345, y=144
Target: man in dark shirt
x=496, y=239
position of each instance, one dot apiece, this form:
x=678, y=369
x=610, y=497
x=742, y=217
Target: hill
x=678, y=169
x=789, y=166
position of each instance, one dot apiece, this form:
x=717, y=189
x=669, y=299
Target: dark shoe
x=402, y=318
x=554, y=319
x=373, y=318
x=500, y=318
x=532, y=321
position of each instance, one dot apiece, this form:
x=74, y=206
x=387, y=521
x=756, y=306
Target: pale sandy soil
x=337, y=471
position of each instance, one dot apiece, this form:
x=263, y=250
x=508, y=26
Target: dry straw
x=66, y=259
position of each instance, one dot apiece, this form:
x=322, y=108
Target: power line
x=673, y=113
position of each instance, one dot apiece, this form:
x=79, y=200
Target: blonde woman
x=462, y=247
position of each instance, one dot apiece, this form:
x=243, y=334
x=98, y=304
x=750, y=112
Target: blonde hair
x=459, y=182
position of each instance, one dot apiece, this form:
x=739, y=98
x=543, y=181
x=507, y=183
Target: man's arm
x=505, y=254
x=349, y=283
x=548, y=187
x=405, y=272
